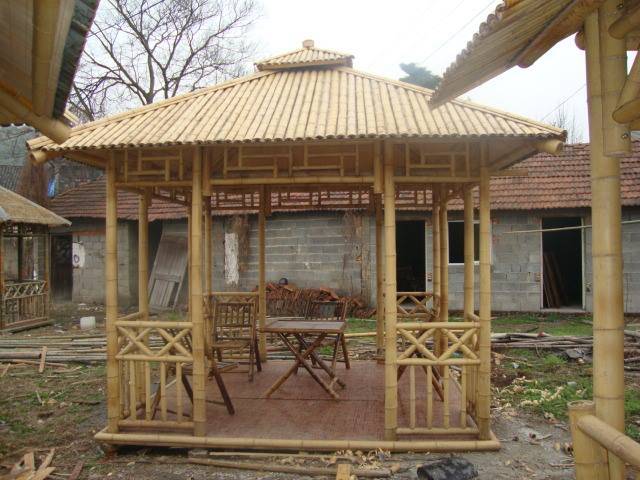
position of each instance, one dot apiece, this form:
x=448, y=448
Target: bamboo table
x=306, y=349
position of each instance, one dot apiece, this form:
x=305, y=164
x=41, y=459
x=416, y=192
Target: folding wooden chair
x=234, y=329
x=333, y=311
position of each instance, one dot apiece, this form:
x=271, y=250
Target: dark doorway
x=61, y=267
x=562, y=263
x=410, y=259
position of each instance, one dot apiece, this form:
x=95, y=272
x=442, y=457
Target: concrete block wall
x=311, y=250
x=88, y=280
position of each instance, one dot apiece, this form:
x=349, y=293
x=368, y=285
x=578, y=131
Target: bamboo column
x=435, y=242
x=1, y=279
x=143, y=254
x=606, y=250
x=378, y=187
x=444, y=272
x=195, y=307
x=262, y=282
x=143, y=278
x=208, y=271
x=111, y=297
x=469, y=275
x=47, y=272
x=391, y=312
x=484, y=370
x=590, y=458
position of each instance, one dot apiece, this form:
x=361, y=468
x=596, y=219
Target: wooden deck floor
x=301, y=409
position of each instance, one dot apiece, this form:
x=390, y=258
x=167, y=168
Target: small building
x=531, y=272
x=24, y=261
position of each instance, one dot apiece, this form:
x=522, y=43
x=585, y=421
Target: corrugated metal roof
x=15, y=208
x=303, y=104
x=306, y=56
x=517, y=33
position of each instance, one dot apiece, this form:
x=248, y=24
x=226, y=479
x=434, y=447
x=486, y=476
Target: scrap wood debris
x=25, y=468
x=291, y=300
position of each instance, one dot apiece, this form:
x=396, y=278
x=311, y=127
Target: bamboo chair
x=331, y=312
x=235, y=330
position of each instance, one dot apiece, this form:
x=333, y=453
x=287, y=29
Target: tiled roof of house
x=553, y=182
x=10, y=176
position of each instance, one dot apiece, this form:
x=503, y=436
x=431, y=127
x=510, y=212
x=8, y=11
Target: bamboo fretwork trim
x=423, y=305
x=458, y=363
x=23, y=302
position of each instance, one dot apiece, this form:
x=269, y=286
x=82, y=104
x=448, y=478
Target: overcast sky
x=383, y=34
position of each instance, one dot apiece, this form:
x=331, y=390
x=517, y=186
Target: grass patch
x=544, y=384
x=358, y=325
x=553, y=324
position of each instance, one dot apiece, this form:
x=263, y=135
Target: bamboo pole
x=111, y=297
x=613, y=73
x=484, y=370
x=435, y=243
x=2, y=325
x=469, y=281
x=195, y=307
x=208, y=271
x=444, y=269
x=262, y=281
x=628, y=109
x=143, y=273
x=391, y=312
x=589, y=457
x=608, y=316
x=378, y=187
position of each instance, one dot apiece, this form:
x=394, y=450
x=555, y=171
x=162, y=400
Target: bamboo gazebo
x=306, y=127
x=519, y=33
x=24, y=261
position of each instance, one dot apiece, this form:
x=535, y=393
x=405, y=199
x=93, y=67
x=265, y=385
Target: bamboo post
x=469, y=276
x=484, y=370
x=143, y=254
x=1, y=279
x=47, y=273
x=590, y=458
x=208, y=270
x=444, y=272
x=613, y=73
x=606, y=250
x=391, y=311
x=262, y=283
x=435, y=243
x=111, y=297
x=378, y=186
x=143, y=274
x=199, y=374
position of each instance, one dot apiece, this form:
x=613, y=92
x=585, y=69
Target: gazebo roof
x=15, y=208
x=518, y=32
x=307, y=56
x=298, y=102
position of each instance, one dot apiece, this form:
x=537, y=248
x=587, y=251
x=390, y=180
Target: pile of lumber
x=291, y=300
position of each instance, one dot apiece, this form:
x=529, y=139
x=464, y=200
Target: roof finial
x=307, y=43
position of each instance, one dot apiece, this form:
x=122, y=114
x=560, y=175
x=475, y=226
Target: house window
x=456, y=242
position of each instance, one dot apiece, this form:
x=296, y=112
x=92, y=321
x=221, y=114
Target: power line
x=565, y=101
x=457, y=32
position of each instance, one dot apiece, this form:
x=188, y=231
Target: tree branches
x=140, y=51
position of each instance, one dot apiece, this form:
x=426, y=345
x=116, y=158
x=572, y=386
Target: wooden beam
x=390, y=291
x=625, y=24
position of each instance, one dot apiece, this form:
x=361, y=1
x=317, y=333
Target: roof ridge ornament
x=309, y=56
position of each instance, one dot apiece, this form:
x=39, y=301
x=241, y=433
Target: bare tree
x=140, y=51
x=567, y=121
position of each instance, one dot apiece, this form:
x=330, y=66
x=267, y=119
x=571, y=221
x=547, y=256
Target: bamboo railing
x=23, y=303
x=458, y=362
x=422, y=305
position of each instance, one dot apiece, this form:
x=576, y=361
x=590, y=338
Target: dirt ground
x=63, y=408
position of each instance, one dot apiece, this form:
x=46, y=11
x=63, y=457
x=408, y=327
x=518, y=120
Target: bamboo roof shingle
x=518, y=32
x=317, y=102
x=15, y=208
x=307, y=56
